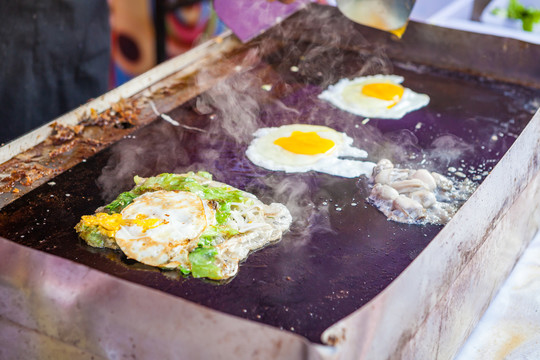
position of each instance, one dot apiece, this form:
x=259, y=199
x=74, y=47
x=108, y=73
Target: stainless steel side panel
x=431, y=308
x=52, y=308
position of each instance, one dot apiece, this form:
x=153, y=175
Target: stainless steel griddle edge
x=436, y=301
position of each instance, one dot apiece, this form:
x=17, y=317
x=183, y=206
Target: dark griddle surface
x=313, y=277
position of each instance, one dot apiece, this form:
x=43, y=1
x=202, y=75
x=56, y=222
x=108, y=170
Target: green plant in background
x=517, y=11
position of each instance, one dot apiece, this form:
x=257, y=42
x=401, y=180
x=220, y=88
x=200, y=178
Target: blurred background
x=74, y=51
x=147, y=32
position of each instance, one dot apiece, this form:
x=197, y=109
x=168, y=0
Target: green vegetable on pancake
x=186, y=222
x=203, y=263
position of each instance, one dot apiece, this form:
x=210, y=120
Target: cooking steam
x=234, y=108
x=235, y=101
x=446, y=149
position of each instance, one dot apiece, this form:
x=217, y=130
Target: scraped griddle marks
x=121, y=115
x=25, y=175
x=69, y=145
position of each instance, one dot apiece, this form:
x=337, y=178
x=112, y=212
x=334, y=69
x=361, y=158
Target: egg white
x=340, y=96
x=184, y=216
x=264, y=153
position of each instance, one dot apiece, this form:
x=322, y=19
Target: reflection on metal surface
x=509, y=328
x=64, y=310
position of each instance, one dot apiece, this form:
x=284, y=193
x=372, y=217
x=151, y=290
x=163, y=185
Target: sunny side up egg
x=301, y=148
x=377, y=96
x=181, y=216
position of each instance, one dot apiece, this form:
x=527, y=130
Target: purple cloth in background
x=249, y=18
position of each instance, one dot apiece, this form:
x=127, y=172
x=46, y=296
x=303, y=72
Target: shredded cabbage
x=203, y=263
x=224, y=196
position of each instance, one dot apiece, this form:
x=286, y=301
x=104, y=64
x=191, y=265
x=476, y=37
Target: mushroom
x=383, y=192
x=425, y=177
x=388, y=176
x=411, y=208
x=408, y=186
x=442, y=181
x=424, y=197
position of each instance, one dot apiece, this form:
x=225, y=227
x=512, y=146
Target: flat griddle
x=341, y=252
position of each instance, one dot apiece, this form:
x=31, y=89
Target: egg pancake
x=187, y=222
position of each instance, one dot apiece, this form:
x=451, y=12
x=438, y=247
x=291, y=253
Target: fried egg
x=378, y=96
x=179, y=216
x=186, y=222
x=301, y=148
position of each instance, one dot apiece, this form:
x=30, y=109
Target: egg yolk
x=305, y=143
x=399, y=32
x=384, y=91
x=110, y=224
